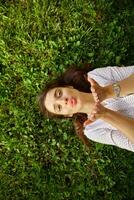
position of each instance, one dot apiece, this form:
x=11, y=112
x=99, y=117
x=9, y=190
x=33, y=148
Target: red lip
x=72, y=101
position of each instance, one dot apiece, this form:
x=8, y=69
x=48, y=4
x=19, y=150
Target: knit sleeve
x=121, y=141
x=108, y=75
x=111, y=137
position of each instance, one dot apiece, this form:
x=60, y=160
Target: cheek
x=68, y=94
x=73, y=93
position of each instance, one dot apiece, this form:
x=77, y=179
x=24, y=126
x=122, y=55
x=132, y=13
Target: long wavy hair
x=78, y=79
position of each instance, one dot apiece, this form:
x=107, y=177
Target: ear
x=71, y=115
x=85, y=76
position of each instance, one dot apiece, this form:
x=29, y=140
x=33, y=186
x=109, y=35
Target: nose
x=66, y=100
x=62, y=101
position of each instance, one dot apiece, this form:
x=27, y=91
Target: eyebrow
x=55, y=93
x=54, y=106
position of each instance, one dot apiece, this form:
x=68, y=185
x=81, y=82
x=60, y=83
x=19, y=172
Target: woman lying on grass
x=101, y=103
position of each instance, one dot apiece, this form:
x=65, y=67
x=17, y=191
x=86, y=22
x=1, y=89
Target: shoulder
x=106, y=135
x=114, y=69
x=99, y=131
x=108, y=75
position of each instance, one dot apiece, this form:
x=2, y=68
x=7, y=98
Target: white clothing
x=99, y=130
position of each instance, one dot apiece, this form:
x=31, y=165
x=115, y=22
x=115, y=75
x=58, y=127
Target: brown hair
x=78, y=79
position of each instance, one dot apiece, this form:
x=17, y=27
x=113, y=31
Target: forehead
x=49, y=100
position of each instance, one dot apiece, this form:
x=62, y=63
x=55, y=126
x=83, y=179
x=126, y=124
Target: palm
x=98, y=95
x=97, y=90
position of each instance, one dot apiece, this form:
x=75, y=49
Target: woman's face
x=63, y=101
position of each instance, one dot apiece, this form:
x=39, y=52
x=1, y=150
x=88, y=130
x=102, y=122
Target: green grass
x=41, y=158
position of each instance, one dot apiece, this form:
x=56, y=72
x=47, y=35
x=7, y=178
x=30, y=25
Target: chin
x=77, y=110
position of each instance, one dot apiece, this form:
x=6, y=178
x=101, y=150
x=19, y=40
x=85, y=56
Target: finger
x=95, y=94
x=88, y=121
x=92, y=117
x=96, y=98
x=92, y=81
x=92, y=89
x=97, y=104
x=95, y=112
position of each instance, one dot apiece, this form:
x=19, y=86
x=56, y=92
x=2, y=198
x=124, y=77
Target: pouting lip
x=72, y=101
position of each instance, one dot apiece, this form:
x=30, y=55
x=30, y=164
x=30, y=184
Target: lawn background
x=42, y=158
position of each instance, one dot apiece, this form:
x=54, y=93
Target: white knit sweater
x=99, y=130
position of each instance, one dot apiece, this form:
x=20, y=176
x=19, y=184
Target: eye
x=58, y=93
x=59, y=108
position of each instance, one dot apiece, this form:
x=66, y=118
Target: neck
x=87, y=103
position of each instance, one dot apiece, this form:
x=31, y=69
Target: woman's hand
x=99, y=93
x=97, y=112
